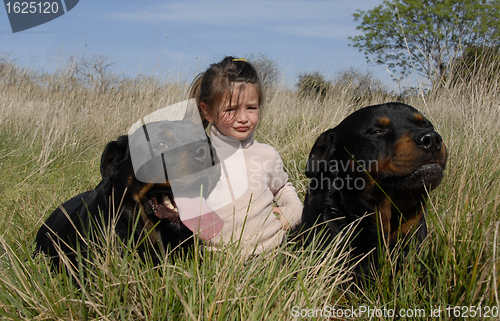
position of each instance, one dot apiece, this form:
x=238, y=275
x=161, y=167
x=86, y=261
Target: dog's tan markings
x=184, y=165
x=407, y=223
x=130, y=180
x=384, y=121
x=403, y=157
x=419, y=118
x=384, y=212
x=148, y=225
x=385, y=165
x=392, y=227
x=442, y=156
x=405, y=151
x=141, y=194
x=169, y=137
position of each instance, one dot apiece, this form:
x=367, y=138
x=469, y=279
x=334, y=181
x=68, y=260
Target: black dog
x=381, y=160
x=140, y=201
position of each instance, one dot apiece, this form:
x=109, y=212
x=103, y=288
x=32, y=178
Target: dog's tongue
x=199, y=217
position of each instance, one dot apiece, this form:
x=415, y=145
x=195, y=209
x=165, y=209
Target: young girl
x=261, y=205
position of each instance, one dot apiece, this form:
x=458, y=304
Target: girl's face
x=239, y=116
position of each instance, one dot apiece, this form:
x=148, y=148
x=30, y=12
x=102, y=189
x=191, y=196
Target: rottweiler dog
x=136, y=192
x=374, y=169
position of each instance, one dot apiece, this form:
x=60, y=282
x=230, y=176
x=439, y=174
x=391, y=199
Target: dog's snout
x=429, y=140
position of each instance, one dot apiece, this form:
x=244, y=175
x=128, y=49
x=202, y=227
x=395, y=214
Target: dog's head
x=144, y=170
x=379, y=150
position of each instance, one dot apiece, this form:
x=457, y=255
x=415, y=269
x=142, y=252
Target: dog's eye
x=378, y=131
x=161, y=146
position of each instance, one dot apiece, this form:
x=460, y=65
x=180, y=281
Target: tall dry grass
x=53, y=130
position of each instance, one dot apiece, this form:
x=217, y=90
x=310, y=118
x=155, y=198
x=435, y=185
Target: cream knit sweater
x=253, y=183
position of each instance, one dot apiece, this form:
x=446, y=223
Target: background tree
x=425, y=35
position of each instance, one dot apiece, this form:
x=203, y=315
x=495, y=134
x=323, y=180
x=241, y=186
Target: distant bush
x=94, y=71
x=12, y=74
x=267, y=69
x=313, y=84
x=361, y=84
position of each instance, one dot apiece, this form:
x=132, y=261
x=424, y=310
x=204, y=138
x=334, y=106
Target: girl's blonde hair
x=216, y=84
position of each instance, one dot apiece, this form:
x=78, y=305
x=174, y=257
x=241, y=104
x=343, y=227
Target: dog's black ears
x=321, y=154
x=114, y=153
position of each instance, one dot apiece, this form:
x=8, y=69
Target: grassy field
x=53, y=130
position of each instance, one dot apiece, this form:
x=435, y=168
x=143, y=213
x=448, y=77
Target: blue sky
x=181, y=38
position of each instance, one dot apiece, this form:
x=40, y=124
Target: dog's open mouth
x=164, y=207
x=428, y=176
x=194, y=212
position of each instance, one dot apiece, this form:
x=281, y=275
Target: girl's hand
x=281, y=218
